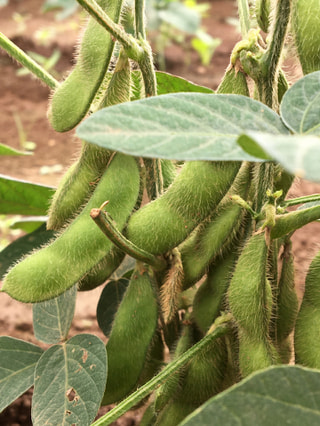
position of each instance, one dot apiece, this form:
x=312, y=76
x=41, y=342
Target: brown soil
x=27, y=98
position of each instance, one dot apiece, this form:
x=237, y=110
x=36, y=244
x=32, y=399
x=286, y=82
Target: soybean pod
x=77, y=184
x=164, y=223
x=306, y=335
x=50, y=271
x=131, y=335
x=305, y=27
x=217, y=233
x=250, y=302
x=72, y=99
x=287, y=304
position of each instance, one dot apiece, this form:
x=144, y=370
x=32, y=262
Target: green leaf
x=70, y=380
x=300, y=106
x=7, y=150
x=181, y=126
x=168, y=83
x=251, y=147
x=29, y=224
x=21, y=197
x=280, y=395
x=109, y=302
x=298, y=154
x=52, y=319
x=23, y=245
x=18, y=360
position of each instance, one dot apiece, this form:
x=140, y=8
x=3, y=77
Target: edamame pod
x=287, y=303
x=164, y=223
x=77, y=185
x=53, y=269
x=216, y=234
x=305, y=27
x=102, y=270
x=72, y=99
x=306, y=334
x=209, y=299
x=132, y=332
x=234, y=81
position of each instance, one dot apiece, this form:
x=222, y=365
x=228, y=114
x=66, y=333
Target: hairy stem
x=219, y=328
x=19, y=55
x=139, y=8
x=270, y=59
x=130, y=44
x=108, y=227
x=244, y=17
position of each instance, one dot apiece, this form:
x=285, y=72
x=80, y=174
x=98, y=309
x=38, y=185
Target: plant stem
x=108, y=227
x=301, y=200
x=130, y=44
x=139, y=8
x=244, y=17
x=270, y=59
x=219, y=328
x=19, y=55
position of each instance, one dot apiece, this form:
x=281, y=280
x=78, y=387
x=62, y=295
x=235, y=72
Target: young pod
x=131, y=335
x=72, y=99
x=210, y=297
x=102, y=270
x=306, y=334
x=164, y=223
x=234, y=81
x=217, y=233
x=305, y=27
x=53, y=269
x=250, y=302
x=287, y=299
x=247, y=290
x=77, y=184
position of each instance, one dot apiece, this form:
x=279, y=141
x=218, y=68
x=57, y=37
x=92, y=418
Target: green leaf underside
x=182, y=126
x=168, y=83
x=9, y=151
x=52, y=319
x=18, y=360
x=29, y=224
x=21, y=197
x=23, y=245
x=70, y=381
x=280, y=395
x=300, y=106
x=109, y=302
x=298, y=154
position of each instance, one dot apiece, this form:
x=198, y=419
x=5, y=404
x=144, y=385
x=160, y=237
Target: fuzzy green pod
x=287, y=299
x=173, y=383
x=72, y=99
x=247, y=290
x=50, y=271
x=254, y=354
x=132, y=332
x=306, y=334
x=210, y=297
x=217, y=233
x=165, y=222
x=102, y=270
x=234, y=81
x=204, y=375
x=263, y=8
x=77, y=185
x=174, y=413
x=305, y=28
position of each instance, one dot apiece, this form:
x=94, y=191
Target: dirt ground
x=26, y=99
